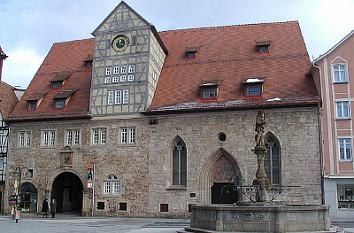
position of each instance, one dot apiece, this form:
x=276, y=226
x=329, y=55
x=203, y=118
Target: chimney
x=2, y=58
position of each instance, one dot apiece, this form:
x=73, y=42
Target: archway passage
x=67, y=190
x=28, y=194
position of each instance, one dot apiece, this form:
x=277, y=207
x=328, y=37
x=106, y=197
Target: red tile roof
x=226, y=55
x=8, y=99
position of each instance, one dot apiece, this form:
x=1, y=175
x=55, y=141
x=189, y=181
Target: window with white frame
x=342, y=109
x=48, y=138
x=116, y=70
x=72, y=137
x=125, y=96
x=345, y=148
x=123, y=69
x=123, y=78
x=99, y=136
x=127, y=135
x=118, y=97
x=25, y=138
x=115, y=79
x=108, y=70
x=111, y=185
x=131, y=78
x=110, y=97
x=340, y=73
x=131, y=69
x=107, y=80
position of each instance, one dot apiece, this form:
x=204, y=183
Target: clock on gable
x=120, y=43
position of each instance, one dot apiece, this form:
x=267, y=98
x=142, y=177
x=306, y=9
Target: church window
x=72, y=137
x=116, y=70
x=123, y=78
x=25, y=138
x=179, y=163
x=48, y=138
x=123, y=69
x=115, y=79
x=131, y=77
x=111, y=185
x=107, y=80
x=272, y=160
x=125, y=96
x=99, y=136
x=108, y=70
x=118, y=97
x=110, y=97
x=127, y=135
x=131, y=69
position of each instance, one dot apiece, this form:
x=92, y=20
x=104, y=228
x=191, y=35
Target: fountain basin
x=259, y=217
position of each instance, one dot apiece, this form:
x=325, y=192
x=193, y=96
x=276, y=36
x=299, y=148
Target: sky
x=28, y=28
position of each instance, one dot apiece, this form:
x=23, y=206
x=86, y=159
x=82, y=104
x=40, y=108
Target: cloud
x=20, y=67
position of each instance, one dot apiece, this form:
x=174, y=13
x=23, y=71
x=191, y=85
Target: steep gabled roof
x=8, y=99
x=335, y=46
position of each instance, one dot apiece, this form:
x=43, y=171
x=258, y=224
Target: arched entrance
x=28, y=194
x=67, y=190
x=219, y=178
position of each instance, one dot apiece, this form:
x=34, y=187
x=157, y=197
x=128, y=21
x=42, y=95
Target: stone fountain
x=262, y=213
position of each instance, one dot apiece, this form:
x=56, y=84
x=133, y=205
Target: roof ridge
x=73, y=41
x=232, y=25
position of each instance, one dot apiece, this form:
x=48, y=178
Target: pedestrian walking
x=45, y=208
x=53, y=208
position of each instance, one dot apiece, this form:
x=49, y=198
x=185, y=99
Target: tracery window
x=272, y=160
x=179, y=163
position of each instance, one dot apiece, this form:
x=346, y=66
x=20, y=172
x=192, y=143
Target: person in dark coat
x=45, y=208
x=53, y=208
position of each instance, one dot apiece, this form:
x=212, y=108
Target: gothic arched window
x=272, y=160
x=179, y=163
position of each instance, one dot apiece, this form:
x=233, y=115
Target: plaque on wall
x=66, y=156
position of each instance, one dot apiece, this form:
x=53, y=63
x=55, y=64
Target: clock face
x=120, y=43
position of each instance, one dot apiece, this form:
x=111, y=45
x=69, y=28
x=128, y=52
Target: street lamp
x=17, y=207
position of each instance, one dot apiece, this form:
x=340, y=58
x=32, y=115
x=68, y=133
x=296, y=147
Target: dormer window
x=209, y=90
x=57, y=84
x=191, y=53
x=62, y=98
x=32, y=105
x=253, y=86
x=88, y=61
x=59, y=79
x=263, y=46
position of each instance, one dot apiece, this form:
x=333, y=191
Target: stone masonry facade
x=144, y=168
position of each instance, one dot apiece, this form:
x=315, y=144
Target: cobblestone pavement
x=76, y=224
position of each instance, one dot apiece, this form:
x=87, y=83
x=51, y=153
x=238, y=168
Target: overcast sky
x=28, y=28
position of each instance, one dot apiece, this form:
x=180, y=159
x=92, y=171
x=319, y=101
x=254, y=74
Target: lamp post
x=17, y=207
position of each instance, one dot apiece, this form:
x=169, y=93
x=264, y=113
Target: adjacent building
x=333, y=73
x=138, y=122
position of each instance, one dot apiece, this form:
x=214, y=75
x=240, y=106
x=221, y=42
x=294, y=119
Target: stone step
x=196, y=230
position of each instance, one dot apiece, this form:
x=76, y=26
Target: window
x=179, y=163
x=100, y=205
x=115, y=79
x=131, y=69
x=116, y=70
x=191, y=53
x=59, y=103
x=48, y=138
x=123, y=69
x=108, y=70
x=131, y=77
x=72, y=137
x=118, y=97
x=110, y=97
x=263, y=46
x=125, y=96
x=57, y=84
x=123, y=206
x=342, y=108
x=253, y=90
x=340, y=73
x=32, y=105
x=209, y=93
x=272, y=160
x=127, y=135
x=107, y=80
x=345, y=148
x=111, y=185
x=99, y=136
x=164, y=208
x=123, y=78
x=25, y=138
x=154, y=76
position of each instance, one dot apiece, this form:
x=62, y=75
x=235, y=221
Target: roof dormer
x=209, y=90
x=34, y=100
x=87, y=62
x=253, y=86
x=61, y=99
x=191, y=52
x=59, y=79
x=262, y=47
